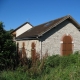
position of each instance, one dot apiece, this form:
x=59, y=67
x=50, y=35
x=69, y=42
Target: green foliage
x=52, y=61
x=12, y=75
x=67, y=68
x=63, y=61
x=52, y=68
x=7, y=49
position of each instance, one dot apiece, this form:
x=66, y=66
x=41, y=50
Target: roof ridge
x=57, y=23
x=40, y=30
x=52, y=20
x=63, y=18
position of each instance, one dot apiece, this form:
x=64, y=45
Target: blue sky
x=13, y=13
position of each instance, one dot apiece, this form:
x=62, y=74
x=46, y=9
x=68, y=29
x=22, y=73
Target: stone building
x=60, y=36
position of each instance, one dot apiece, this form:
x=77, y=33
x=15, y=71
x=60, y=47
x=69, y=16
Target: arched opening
x=33, y=51
x=66, y=45
x=23, y=50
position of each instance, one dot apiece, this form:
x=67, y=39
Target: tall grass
x=52, y=68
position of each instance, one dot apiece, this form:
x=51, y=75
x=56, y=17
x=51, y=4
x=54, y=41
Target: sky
x=14, y=13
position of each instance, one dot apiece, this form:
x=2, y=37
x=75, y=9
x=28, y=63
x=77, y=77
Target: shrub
x=62, y=61
x=7, y=49
x=52, y=61
x=52, y=68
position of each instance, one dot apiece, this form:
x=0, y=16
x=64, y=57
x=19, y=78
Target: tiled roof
x=43, y=28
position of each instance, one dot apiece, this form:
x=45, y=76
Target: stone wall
x=51, y=41
x=28, y=46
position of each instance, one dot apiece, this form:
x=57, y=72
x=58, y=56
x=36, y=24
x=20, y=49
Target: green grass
x=55, y=68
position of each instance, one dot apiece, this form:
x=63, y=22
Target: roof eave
x=28, y=38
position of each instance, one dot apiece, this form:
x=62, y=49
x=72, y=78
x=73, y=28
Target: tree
x=7, y=49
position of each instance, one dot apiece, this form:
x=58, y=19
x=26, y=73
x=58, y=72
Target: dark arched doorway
x=67, y=45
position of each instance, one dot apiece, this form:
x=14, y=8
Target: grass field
x=52, y=68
